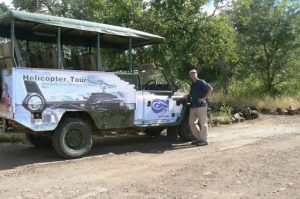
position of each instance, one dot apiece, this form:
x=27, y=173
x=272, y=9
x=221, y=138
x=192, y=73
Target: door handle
x=149, y=103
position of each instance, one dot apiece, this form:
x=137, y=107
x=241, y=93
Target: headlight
x=35, y=103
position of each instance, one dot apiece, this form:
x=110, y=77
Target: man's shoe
x=202, y=143
x=195, y=142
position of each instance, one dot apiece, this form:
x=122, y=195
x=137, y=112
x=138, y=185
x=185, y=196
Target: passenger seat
x=77, y=63
x=50, y=58
x=89, y=62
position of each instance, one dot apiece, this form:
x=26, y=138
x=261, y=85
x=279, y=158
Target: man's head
x=193, y=74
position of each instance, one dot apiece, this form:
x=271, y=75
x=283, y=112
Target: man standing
x=200, y=91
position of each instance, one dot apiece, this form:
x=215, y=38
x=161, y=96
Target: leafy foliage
x=224, y=116
x=3, y=8
x=251, y=47
x=267, y=36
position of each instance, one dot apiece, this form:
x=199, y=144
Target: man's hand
x=200, y=100
x=186, y=97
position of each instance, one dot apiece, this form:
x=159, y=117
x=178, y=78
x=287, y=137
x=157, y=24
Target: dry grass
x=266, y=102
x=11, y=138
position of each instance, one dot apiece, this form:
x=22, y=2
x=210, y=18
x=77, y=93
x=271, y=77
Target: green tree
x=51, y=6
x=194, y=39
x=267, y=36
x=3, y=8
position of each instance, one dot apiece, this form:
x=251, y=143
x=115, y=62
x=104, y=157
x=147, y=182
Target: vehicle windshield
x=154, y=79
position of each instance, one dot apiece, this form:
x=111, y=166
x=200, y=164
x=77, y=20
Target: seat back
x=89, y=62
x=51, y=56
x=147, y=67
x=77, y=62
x=5, y=55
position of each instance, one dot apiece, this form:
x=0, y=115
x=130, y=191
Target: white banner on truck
x=53, y=92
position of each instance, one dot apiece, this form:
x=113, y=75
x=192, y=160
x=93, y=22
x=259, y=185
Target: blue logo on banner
x=159, y=105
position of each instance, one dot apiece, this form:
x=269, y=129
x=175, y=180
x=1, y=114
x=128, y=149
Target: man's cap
x=193, y=71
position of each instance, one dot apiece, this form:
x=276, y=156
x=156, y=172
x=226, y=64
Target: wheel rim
x=74, y=139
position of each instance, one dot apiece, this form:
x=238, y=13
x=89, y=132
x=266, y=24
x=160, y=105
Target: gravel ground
x=255, y=159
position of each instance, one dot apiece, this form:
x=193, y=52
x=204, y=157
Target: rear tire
x=185, y=132
x=39, y=140
x=72, y=138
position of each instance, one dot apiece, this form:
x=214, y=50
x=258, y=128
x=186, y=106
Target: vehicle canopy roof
x=44, y=28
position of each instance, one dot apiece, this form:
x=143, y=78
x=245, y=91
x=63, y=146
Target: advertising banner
x=158, y=109
x=43, y=96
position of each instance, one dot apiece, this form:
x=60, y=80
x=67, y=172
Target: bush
x=224, y=116
x=11, y=138
x=245, y=87
x=238, y=102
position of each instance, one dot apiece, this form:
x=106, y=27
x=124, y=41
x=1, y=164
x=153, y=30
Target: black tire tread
x=56, y=137
x=185, y=132
x=172, y=132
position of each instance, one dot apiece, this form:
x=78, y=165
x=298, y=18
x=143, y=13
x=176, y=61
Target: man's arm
x=209, y=92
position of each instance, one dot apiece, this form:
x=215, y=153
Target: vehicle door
x=158, y=105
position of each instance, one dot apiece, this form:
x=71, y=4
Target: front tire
x=172, y=132
x=39, y=140
x=72, y=138
x=185, y=132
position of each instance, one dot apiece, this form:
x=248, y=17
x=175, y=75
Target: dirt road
x=256, y=159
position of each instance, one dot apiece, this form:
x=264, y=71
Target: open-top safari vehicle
x=61, y=97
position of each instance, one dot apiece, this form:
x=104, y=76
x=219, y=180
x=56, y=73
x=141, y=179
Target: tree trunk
x=269, y=76
x=224, y=71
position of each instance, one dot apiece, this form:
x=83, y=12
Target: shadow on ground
x=15, y=155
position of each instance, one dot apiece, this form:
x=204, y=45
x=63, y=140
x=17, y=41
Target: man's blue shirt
x=199, y=90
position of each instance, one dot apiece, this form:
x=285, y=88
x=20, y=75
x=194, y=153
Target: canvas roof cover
x=43, y=28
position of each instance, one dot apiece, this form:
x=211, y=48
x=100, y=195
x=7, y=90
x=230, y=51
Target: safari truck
x=61, y=98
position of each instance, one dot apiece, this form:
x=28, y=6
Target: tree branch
x=218, y=7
